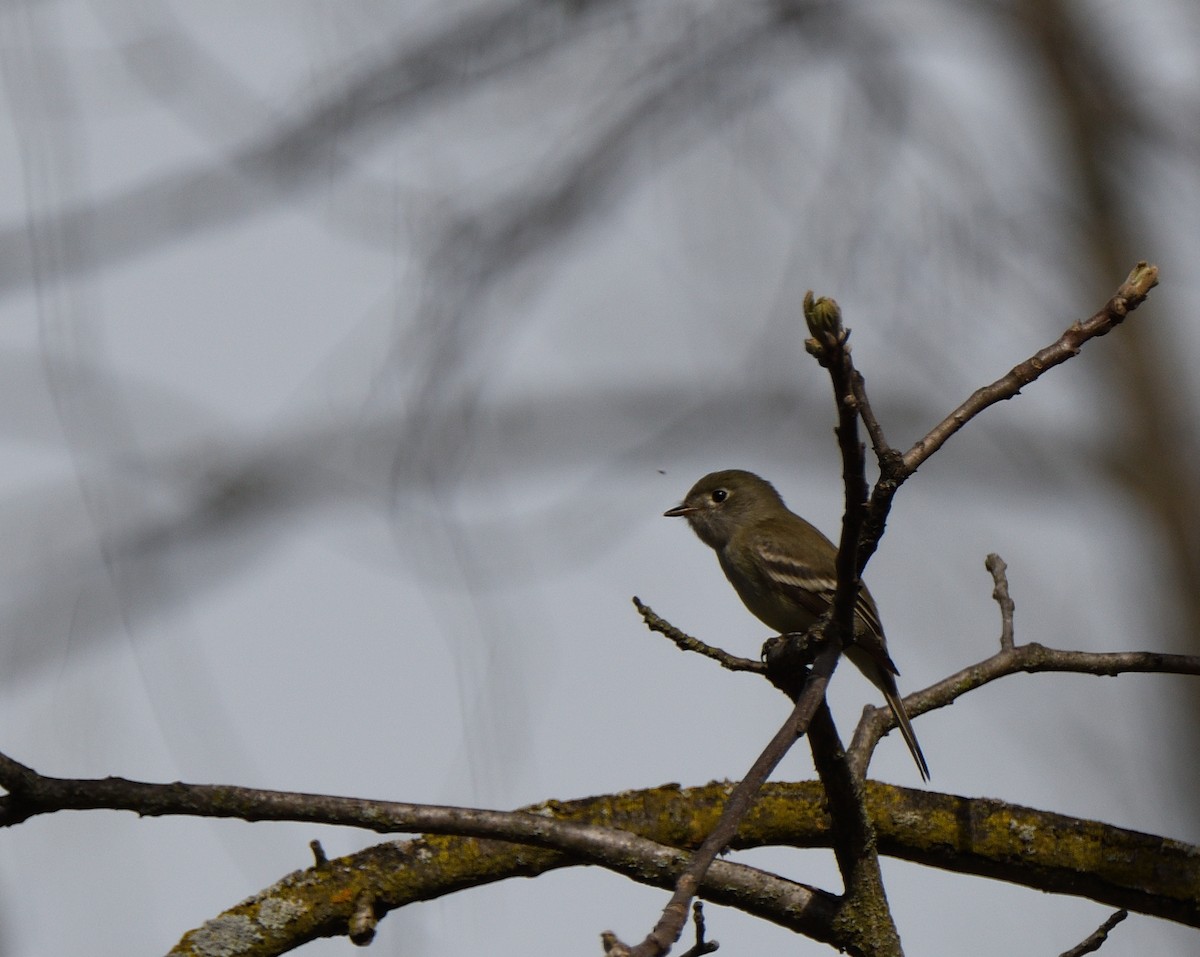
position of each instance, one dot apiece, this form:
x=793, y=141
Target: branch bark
x=1036, y=849
x=1129, y=295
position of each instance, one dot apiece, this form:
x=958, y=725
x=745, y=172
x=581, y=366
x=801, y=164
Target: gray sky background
x=351, y=355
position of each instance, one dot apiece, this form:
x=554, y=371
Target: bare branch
x=1031, y=658
x=963, y=835
x=1009, y=660
x=674, y=915
x=865, y=903
x=1096, y=939
x=1100, y=862
x=1131, y=294
x=878, y=442
x=996, y=565
x=702, y=946
x=686, y=642
x=895, y=468
x=637, y=857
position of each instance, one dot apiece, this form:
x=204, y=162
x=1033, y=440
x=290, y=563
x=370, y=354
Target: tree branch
x=1011, y=658
x=685, y=642
x=1095, y=940
x=999, y=570
x=670, y=925
x=865, y=904
x=619, y=850
x=1110, y=865
x=1032, y=658
x=1121, y=868
x=895, y=468
x=1131, y=294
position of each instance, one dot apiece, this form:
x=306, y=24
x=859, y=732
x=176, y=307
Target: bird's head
x=722, y=502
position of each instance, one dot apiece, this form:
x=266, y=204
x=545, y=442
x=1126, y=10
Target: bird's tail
x=885, y=681
x=892, y=695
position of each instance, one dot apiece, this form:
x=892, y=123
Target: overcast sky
x=351, y=355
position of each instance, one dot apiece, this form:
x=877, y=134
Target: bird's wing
x=813, y=589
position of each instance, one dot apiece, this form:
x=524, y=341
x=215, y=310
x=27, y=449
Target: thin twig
x=701, y=946
x=878, y=442
x=1096, y=939
x=1032, y=658
x=996, y=565
x=1131, y=294
x=674, y=915
x=1010, y=659
x=895, y=469
x=829, y=346
x=686, y=642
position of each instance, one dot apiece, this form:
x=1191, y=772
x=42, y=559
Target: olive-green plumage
x=785, y=572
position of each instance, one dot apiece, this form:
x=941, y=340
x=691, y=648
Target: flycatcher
x=785, y=572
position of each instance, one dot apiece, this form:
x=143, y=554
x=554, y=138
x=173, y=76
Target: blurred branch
x=292, y=153
x=1096, y=97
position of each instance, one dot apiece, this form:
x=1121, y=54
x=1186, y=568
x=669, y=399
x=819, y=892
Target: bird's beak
x=679, y=511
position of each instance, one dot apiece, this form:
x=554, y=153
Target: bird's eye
x=719, y=495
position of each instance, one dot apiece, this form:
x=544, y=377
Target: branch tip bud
x=1142, y=278
x=824, y=317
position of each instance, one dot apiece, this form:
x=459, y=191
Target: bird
x=785, y=571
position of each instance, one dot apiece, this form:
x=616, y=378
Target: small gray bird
x=785, y=572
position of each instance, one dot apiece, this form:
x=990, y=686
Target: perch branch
x=686, y=642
